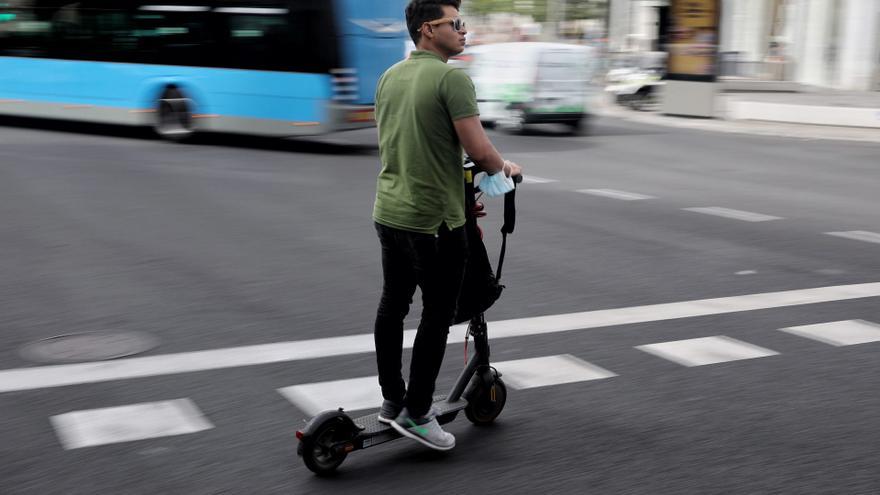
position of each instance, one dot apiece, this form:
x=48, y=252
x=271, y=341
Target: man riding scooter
x=426, y=112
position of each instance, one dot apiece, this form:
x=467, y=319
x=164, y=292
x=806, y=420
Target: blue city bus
x=268, y=67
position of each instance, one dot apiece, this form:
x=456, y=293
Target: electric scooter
x=328, y=438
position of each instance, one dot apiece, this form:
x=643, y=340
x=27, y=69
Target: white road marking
x=615, y=194
x=364, y=393
x=745, y=216
x=747, y=272
x=839, y=333
x=532, y=179
x=93, y=427
x=352, y=395
x=32, y=378
x=706, y=350
x=550, y=370
x=858, y=235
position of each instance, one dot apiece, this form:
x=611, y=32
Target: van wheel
x=642, y=100
x=174, y=116
x=578, y=127
x=513, y=124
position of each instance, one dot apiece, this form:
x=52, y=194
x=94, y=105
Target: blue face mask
x=496, y=185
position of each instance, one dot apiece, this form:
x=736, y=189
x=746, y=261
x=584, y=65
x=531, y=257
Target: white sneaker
x=389, y=411
x=425, y=430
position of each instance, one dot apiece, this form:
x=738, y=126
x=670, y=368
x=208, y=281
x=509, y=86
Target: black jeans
x=436, y=265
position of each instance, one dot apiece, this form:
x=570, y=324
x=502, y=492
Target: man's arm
x=477, y=145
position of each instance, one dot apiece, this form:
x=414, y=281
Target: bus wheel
x=173, y=117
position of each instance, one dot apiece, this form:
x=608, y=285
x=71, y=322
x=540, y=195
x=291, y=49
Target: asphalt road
x=235, y=242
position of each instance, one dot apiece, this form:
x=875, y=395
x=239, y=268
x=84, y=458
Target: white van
x=533, y=83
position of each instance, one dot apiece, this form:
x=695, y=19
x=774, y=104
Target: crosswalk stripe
x=839, y=333
x=364, y=393
x=745, y=216
x=550, y=370
x=706, y=350
x=858, y=235
x=93, y=427
x=615, y=194
x=352, y=395
x=38, y=377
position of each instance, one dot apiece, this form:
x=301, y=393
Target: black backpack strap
x=509, y=223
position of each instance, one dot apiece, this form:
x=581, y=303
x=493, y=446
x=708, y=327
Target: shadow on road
x=336, y=144
x=402, y=458
x=559, y=138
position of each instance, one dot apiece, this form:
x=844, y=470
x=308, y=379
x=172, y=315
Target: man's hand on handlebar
x=511, y=169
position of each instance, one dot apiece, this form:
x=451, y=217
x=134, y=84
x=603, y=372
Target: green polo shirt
x=421, y=186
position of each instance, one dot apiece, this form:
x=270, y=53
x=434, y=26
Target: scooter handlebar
x=517, y=179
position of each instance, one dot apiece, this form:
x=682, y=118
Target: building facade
x=826, y=43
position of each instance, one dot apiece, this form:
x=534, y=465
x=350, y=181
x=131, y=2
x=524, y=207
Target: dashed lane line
x=745, y=216
x=858, y=235
x=615, y=194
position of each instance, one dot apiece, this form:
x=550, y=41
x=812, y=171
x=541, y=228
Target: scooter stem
x=477, y=328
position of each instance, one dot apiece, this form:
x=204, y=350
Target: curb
x=861, y=117
x=752, y=127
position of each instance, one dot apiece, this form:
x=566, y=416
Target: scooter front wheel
x=486, y=403
x=325, y=450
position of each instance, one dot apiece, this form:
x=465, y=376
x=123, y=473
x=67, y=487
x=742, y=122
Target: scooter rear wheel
x=486, y=403
x=320, y=452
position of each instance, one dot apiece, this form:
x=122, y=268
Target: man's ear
x=429, y=32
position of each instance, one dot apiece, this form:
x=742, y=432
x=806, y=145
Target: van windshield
x=506, y=65
x=563, y=65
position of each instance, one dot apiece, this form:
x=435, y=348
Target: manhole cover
x=88, y=346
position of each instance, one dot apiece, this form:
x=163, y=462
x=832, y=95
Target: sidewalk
x=812, y=113
x=814, y=106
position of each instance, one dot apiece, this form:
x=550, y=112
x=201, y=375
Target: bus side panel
x=227, y=92
x=373, y=35
x=267, y=95
x=246, y=94
x=68, y=82
x=374, y=18
x=371, y=57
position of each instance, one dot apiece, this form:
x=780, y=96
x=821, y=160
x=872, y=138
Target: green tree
x=585, y=9
x=574, y=9
x=535, y=8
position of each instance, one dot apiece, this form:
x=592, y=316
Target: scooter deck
x=374, y=432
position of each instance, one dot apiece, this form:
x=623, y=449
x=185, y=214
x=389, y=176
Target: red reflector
x=361, y=116
x=299, y=435
x=349, y=447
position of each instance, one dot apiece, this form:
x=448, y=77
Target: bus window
x=315, y=43
x=24, y=33
x=101, y=35
x=171, y=35
x=297, y=37
x=256, y=38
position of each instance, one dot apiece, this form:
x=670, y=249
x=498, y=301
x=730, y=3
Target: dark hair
x=419, y=12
